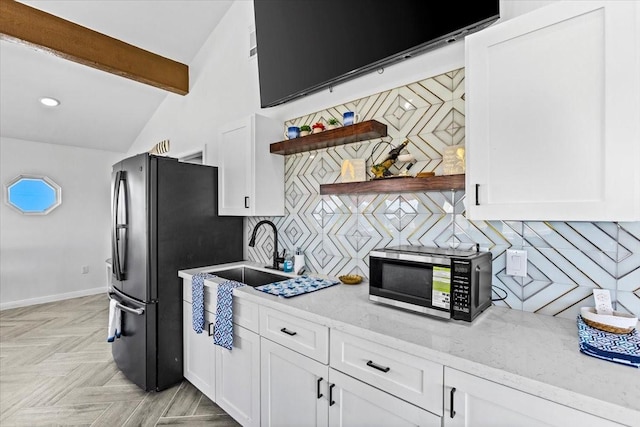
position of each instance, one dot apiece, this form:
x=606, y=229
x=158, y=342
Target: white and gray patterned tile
x=566, y=260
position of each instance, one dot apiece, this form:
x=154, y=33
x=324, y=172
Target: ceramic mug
x=292, y=132
x=349, y=118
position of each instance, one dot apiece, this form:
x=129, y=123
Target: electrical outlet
x=84, y=269
x=516, y=262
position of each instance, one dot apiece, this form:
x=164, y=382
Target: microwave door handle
x=476, y=287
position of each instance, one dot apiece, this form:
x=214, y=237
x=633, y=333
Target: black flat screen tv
x=307, y=45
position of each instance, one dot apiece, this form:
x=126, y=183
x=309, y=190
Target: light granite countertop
x=534, y=353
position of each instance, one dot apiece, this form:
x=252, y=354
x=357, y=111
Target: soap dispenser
x=298, y=261
x=288, y=264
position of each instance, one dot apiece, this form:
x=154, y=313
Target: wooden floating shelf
x=397, y=185
x=364, y=131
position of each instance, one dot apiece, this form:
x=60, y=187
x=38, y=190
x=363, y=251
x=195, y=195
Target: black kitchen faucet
x=252, y=242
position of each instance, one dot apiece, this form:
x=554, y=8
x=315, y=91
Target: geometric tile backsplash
x=566, y=260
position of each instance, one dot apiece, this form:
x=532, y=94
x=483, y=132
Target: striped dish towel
x=223, y=333
x=197, y=300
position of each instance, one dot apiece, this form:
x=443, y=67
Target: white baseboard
x=52, y=298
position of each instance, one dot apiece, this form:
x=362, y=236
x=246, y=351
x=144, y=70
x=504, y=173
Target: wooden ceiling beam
x=23, y=24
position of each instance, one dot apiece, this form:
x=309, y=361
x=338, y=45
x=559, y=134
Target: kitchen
x=193, y=122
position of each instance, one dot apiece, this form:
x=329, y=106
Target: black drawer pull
x=378, y=367
x=318, y=389
x=288, y=332
x=453, y=391
x=331, y=401
x=211, y=329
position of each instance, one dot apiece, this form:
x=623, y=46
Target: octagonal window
x=33, y=194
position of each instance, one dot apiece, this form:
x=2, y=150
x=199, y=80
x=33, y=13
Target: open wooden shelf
x=364, y=131
x=397, y=185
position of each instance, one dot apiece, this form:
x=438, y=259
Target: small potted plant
x=333, y=123
x=318, y=127
x=305, y=130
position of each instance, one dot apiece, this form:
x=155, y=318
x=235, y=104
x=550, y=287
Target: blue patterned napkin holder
x=618, y=348
x=296, y=286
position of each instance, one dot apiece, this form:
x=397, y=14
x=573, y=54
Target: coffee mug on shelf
x=292, y=132
x=349, y=118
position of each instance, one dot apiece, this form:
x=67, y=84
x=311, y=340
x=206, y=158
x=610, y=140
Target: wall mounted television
x=308, y=45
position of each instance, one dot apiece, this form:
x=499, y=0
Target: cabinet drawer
x=300, y=335
x=408, y=377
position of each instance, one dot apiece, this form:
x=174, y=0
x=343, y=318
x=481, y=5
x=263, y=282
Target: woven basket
x=618, y=323
x=607, y=328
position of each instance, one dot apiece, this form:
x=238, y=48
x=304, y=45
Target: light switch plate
x=516, y=262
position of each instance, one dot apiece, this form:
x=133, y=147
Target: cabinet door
x=552, y=113
x=294, y=391
x=235, y=168
x=251, y=179
x=354, y=403
x=238, y=377
x=198, y=353
x=478, y=402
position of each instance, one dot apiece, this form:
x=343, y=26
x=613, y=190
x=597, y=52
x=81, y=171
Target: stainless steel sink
x=249, y=276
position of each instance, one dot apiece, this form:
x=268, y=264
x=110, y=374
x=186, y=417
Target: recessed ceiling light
x=50, y=102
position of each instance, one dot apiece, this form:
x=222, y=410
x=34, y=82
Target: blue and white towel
x=114, y=329
x=223, y=332
x=197, y=300
x=296, y=286
x=618, y=348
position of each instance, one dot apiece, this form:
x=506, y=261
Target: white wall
x=224, y=84
x=41, y=255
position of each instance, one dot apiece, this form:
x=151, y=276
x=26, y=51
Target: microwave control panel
x=461, y=287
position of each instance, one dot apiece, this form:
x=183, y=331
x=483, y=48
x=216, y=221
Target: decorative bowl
x=618, y=323
x=350, y=279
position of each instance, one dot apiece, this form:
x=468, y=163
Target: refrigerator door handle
x=119, y=258
x=136, y=311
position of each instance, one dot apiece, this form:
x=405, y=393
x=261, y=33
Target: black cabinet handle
x=246, y=202
x=453, y=412
x=288, y=332
x=378, y=367
x=318, y=388
x=212, y=329
x=331, y=401
x=477, y=191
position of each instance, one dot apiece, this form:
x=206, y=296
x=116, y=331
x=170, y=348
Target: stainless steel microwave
x=446, y=283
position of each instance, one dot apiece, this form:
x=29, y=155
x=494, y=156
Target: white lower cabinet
x=230, y=378
x=471, y=401
x=300, y=391
x=356, y=404
x=294, y=388
x=199, y=353
x=286, y=371
x=237, y=377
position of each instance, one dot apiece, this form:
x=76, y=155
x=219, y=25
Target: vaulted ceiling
x=98, y=109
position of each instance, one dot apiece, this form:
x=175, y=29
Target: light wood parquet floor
x=56, y=369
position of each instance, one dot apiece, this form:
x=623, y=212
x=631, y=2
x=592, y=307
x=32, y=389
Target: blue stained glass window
x=36, y=195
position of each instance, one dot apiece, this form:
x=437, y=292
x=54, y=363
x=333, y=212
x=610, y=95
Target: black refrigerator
x=164, y=218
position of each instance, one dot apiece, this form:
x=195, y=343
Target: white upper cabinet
x=251, y=179
x=553, y=115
